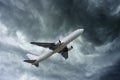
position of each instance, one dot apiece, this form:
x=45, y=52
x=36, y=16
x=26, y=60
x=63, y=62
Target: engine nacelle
x=70, y=48
x=58, y=42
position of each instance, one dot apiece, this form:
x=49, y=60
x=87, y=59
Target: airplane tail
x=33, y=59
x=32, y=62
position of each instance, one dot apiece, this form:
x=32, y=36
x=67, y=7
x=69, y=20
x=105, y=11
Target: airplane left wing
x=46, y=45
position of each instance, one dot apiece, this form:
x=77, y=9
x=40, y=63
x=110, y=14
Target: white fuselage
x=64, y=43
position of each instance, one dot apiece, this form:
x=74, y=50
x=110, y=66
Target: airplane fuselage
x=59, y=47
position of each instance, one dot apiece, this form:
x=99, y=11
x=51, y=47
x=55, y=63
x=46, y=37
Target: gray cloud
x=40, y=20
x=36, y=18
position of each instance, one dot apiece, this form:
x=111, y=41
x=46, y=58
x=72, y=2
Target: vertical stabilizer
x=32, y=57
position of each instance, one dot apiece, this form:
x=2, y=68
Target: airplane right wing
x=46, y=45
x=65, y=54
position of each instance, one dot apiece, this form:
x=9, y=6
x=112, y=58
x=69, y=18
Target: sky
x=96, y=53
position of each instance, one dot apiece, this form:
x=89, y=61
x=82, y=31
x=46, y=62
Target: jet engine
x=58, y=42
x=70, y=48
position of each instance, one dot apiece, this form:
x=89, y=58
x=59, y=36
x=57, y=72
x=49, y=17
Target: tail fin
x=32, y=57
x=32, y=62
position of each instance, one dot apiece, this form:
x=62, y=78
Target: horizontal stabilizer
x=32, y=62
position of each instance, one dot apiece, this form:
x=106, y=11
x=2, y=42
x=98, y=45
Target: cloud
x=82, y=66
x=43, y=20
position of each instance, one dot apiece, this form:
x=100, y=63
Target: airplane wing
x=65, y=54
x=46, y=45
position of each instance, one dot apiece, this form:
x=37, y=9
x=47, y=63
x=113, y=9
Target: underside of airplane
x=58, y=47
x=53, y=46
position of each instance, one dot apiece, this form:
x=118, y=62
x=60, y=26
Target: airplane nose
x=81, y=30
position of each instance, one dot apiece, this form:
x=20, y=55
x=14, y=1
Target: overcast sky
x=96, y=53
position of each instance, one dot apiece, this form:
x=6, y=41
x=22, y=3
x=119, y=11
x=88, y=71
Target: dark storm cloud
x=113, y=73
x=37, y=19
x=32, y=16
x=100, y=26
x=95, y=16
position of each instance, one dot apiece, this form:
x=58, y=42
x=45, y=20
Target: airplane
x=57, y=47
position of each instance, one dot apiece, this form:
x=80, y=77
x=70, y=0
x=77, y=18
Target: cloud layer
x=96, y=52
